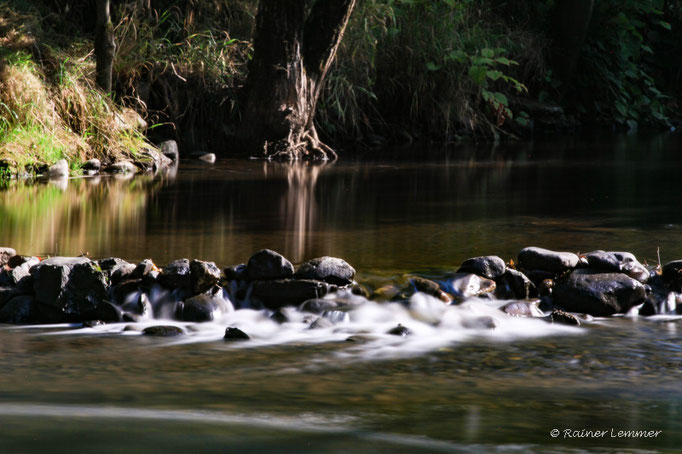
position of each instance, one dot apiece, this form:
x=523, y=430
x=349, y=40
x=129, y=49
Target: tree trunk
x=105, y=46
x=293, y=50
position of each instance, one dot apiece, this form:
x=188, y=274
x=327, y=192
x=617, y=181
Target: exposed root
x=306, y=146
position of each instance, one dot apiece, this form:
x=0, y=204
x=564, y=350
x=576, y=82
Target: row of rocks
x=558, y=286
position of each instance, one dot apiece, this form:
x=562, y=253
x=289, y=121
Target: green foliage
x=616, y=77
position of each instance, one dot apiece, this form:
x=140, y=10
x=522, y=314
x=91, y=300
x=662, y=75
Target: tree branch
x=323, y=32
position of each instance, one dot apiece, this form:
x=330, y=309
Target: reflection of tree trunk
x=105, y=46
x=293, y=51
x=571, y=22
x=300, y=208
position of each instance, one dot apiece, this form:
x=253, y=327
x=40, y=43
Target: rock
x=5, y=254
x=124, y=289
x=267, y=264
x=318, y=305
x=618, y=262
x=18, y=260
x=469, y=285
x=105, y=312
x=399, y=330
x=288, y=292
x=522, y=309
x=176, y=274
x=7, y=293
x=601, y=294
x=490, y=267
x=429, y=287
x=87, y=280
x=203, y=308
x=92, y=165
x=93, y=323
x=123, y=167
x=108, y=265
x=235, y=334
x=20, y=275
x=514, y=284
x=564, y=318
x=121, y=272
x=205, y=157
x=59, y=169
x=236, y=272
x=20, y=309
x=672, y=275
x=328, y=269
x=321, y=323
x=51, y=276
x=279, y=317
x=156, y=161
x=145, y=268
x=535, y=258
x=163, y=331
x=169, y=148
x=204, y=275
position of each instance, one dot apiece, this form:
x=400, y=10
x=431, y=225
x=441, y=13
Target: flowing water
x=451, y=386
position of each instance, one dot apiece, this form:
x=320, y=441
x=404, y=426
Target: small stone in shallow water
x=163, y=331
x=522, y=309
x=279, y=317
x=321, y=323
x=536, y=258
x=466, y=285
x=235, y=334
x=429, y=287
x=92, y=323
x=318, y=305
x=564, y=318
x=399, y=330
x=490, y=267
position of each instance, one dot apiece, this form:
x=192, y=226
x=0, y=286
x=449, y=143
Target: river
x=416, y=210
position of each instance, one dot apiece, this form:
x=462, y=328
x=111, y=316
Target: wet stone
x=268, y=265
x=328, y=269
x=204, y=275
x=92, y=165
x=202, y=308
x=514, y=284
x=617, y=262
x=288, y=292
x=236, y=272
x=429, y=287
x=145, y=268
x=169, y=148
x=60, y=169
x=18, y=310
x=176, y=274
x=539, y=259
x=141, y=307
x=564, y=318
x=490, y=267
x=522, y=309
x=279, y=317
x=51, y=276
x=483, y=322
x=93, y=323
x=122, y=167
x=5, y=254
x=672, y=275
x=601, y=294
x=163, y=331
x=121, y=272
x=321, y=323
x=318, y=305
x=399, y=330
x=469, y=285
x=7, y=293
x=235, y=334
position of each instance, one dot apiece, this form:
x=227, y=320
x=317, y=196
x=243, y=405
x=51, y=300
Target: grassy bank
x=407, y=70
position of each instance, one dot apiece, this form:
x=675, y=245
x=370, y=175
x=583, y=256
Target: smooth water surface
x=408, y=211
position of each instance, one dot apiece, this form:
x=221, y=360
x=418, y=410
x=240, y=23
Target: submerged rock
x=618, y=262
x=318, y=305
x=204, y=275
x=601, y=294
x=399, y=330
x=564, y=318
x=321, y=323
x=235, y=334
x=268, y=265
x=490, y=267
x=539, y=259
x=483, y=322
x=163, y=331
x=522, y=309
x=328, y=269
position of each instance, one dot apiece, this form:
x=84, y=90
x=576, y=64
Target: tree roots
x=305, y=146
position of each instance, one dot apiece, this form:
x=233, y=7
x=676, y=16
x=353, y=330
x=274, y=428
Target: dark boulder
x=600, y=294
x=236, y=272
x=328, y=269
x=535, y=258
x=5, y=254
x=105, y=312
x=490, y=267
x=288, y=292
x=20, y=275
x=617, y=262
x=51, y=276
x=268, y=265
x=235, y=334
x=121, y=272
x=279, y=317
x=145, y=268
x=672, y=275
x=203, y=307
x=176, y=274
x=163, y=331
x=7, y=293
x=514, y=284
x=204, y=275
x=18, y=310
